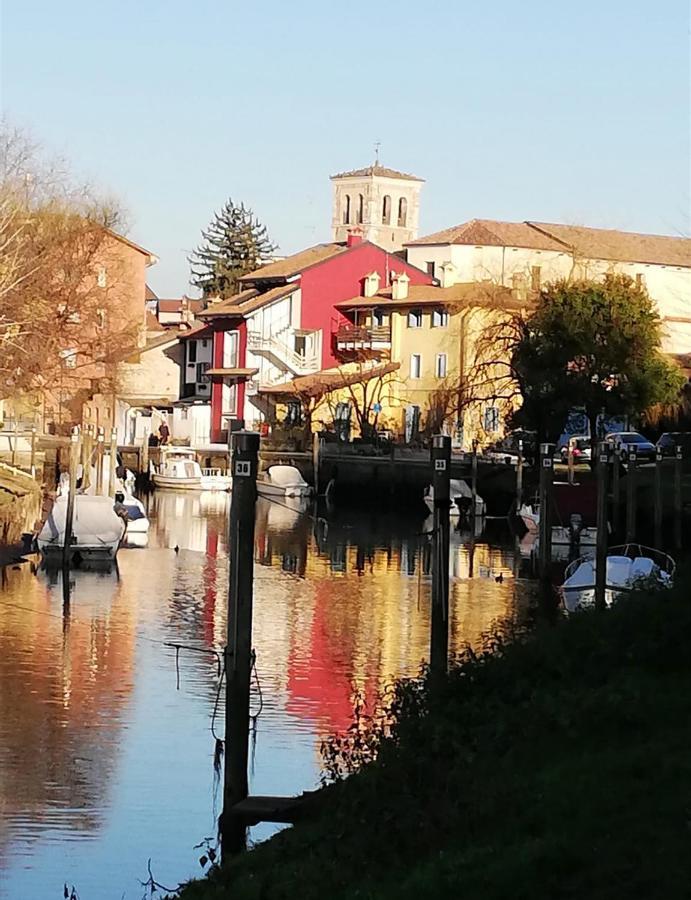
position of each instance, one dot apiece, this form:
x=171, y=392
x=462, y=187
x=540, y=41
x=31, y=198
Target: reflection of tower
x=381, y=204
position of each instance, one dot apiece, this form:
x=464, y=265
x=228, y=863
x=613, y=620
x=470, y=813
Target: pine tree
x=234, y=244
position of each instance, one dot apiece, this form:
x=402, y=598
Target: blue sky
x=575, y=113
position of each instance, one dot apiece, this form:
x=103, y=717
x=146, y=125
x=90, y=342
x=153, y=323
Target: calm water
x=105, y=763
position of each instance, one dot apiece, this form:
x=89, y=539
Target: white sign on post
x=439, y=465
x=243, y=468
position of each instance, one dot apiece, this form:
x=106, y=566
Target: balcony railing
x=363, y=336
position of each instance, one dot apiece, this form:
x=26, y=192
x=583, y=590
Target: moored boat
x=97, y=529
x=461, y=500
x=630, y=567
x=283, y=481
x=180, y=471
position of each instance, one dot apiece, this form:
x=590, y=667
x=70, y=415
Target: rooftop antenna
x=377, y=145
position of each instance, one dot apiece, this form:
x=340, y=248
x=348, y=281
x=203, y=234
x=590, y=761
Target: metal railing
x=297, y=363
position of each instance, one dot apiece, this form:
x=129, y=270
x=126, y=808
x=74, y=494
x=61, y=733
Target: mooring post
x=113, y=464
x=439, y=626
x=69, y=515
x=616, y=490
x=32, y=464
x=545, y=511
x=144, y=457
x=631, y=494
x=601, y=528
x=657, y=500
x=315, y=461
x=238, y=653
x=569, y=450
x=87, y=452
x=100, y=446
x=519, y=476
x=16, y=440
x=473, y=482
x=678, y=463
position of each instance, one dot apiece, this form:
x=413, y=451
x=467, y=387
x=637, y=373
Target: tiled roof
x=175, y=304
x=247, y=301
x=467, y=294
x=377, y=170
x=293, y=265
x=593, y=243
x=152, y=323
x=327, y=380
x=149, y=294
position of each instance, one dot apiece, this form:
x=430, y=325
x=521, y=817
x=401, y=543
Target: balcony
x=374, y=340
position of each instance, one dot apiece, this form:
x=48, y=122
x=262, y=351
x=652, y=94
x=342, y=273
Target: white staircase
x=276, y=350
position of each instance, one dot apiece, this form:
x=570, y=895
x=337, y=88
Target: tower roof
x=377, y=170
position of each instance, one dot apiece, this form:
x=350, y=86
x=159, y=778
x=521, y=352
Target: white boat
x=180, y=471
x=97, y=529
x=461, y=495
x=137, y=519
x=561, y=534
x=630, y=567
x=283, y=481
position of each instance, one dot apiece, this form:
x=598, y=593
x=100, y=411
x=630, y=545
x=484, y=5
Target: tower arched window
x=386, y=210
x=346, y=209
x=402, y=212
x=360, y=209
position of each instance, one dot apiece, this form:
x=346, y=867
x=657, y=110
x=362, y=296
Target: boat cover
x=95, y=522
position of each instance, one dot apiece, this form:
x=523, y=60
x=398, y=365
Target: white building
x=524, y=255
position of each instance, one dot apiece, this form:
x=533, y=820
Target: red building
x=283, y=324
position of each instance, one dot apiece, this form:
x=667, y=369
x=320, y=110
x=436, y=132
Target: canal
x=106, y=750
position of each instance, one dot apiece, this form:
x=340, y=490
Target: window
x=440, y=318
x=429, y=265
x=378, y=318
x=415, y=365
x=102, y=277
x=415, y=318
x=230, y=349
x=192, y=352
x=205, y=342
x=535, y=277
x=491, y=418
x=346, y=209
x=183, y=413
x=386, y=210
x=202, y=377
x=440, y=365
x=300, y=344
x=402, y=212
x=360, y=209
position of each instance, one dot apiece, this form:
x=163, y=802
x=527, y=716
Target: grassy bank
x=559, y=767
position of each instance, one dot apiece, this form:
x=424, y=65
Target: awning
x=325, y=381
x=231, y=375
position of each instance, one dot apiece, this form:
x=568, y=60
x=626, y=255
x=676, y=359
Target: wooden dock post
x=439, y=620
x=601, y=528
x=569, y=448
x=545, y=508
x=100, y=442
x=657, y=500
x=87, y=453
x=473, y=482
x=69, y=515
x=315, y=461
x=113, y=462
x=15, y=441
x=616, y=490
x=519, y=476
x=238, y=653
x=144, y=458
x=678, y=463
x=32, y=464
x=631, y=494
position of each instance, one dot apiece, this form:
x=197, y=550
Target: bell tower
x=383, y=204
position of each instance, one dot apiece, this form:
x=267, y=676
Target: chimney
x=354, y=237
x=448, y=274
x=185, y=311
x=399, y=286
x=371, y=285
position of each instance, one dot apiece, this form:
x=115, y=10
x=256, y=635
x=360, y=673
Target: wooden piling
x=113, y=463
x=569, y=448
x=678, y=464
x=69, y=515
x=238, y=653
x=144, y=458
x=87, y=453
x=439, y=625
x=657, y=499
x=616, y=490
x=100, y=446
x=601, y=528
x=473, y=481
x=519, y=476
x=315, y=461
x=631, y=494
x=545, y=511
x=15, y=441
x=32, y=463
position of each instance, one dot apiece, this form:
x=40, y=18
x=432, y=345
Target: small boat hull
x=173, y=483
x=283, y=481
x=97, y=530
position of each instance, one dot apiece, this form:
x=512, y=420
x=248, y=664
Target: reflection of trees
x=63, y=690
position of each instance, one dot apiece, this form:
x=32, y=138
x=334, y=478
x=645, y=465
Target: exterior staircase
x=276, y=350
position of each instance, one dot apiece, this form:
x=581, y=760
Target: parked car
x=506, y=449
x=624, y=440
x=670, y=440
x=581, y=449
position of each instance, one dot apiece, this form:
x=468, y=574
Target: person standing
x=163, y=433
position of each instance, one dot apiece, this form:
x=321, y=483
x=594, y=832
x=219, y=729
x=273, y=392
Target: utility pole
x=631, y=495
x=601, y=528
x=238, y=653
x=69, y=515
x=545, y=511
x=439, y=625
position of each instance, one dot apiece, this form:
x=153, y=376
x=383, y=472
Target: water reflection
x=97, y=744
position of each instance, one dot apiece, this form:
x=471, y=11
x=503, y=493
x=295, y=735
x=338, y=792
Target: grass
x=556, y=767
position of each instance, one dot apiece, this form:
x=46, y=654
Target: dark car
x=670, y=440
x=625, y=440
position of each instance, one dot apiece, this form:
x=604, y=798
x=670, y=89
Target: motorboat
x=180, y=471
x=575, y=533
x=283, y=481
x=97, y=529
x=137, y=519
x=630, y=567
x=461, y=500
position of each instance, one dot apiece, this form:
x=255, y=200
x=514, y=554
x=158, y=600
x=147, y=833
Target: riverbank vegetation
x=553, y=765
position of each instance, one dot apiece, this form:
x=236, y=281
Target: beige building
x=381, y=203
